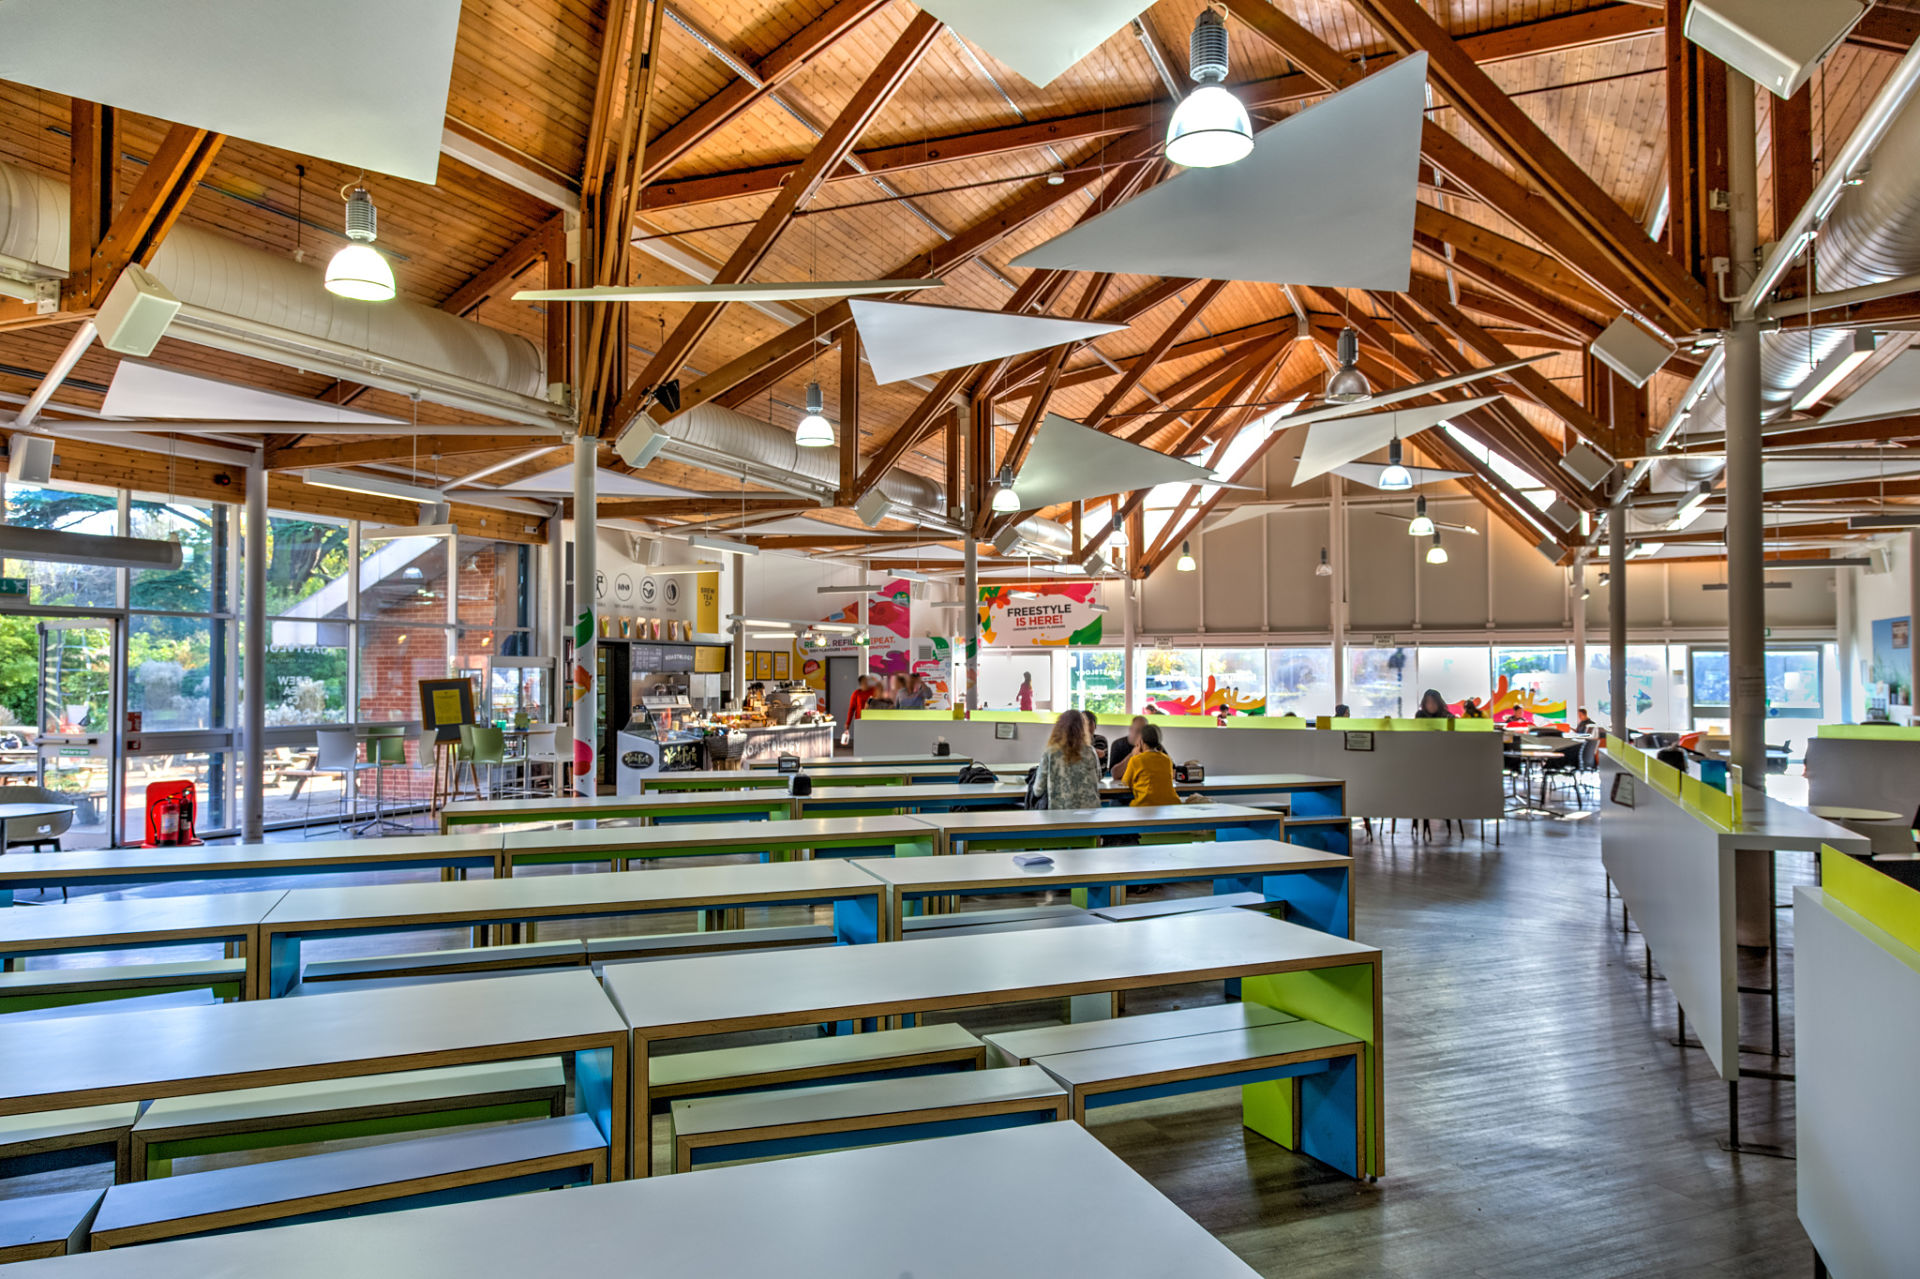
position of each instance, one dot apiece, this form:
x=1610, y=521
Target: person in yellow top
x=1149, y=772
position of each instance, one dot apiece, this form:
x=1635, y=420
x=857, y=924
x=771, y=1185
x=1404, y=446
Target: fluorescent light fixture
x=765, y=635
x=359, y=271
x=726, y=546
x=1436, y=554
x=105, y=550
x=1210, y=127
x=1771, y=586
x=1420, y=525
x=1833, y=370
x=1860, y=523
x=1396, y=478
x=1187, y=563
x=371, y=486
x=1645, y=550
x=836, y=628
x=814, y=432
x=1024, y=595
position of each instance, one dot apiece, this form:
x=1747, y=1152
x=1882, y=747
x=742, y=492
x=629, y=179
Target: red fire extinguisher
x=169, y=825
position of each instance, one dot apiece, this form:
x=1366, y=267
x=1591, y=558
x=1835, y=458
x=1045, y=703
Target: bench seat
x=970, y=918
x=609, y=950
x=68, y=1138
x=1082, y=920
x=1018, y=1047
x=36, y=988
x=1185, y=906
x=324, y=1110
x=462, y=959
x=1322, y=1063
x=36, y=1226
x=878, y=1111
x=843, y=1058
x=476, y=1163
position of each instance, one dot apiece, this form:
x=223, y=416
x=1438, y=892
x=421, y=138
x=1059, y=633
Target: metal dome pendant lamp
x=1210, y=127
x=1396, y=478
x=814, y=432
x=360, y=271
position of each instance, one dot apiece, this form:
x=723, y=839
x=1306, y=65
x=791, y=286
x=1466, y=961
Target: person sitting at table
x=1471, y=709
x=1584, y=724
x=1343, y=711
x=1117, y=756
x=1099, y=742
x=1149, y=771
x=1432, y=706
x=1068, y=776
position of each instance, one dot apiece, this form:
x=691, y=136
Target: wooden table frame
x=1309, y=796
x=176, y=1052
x=622, y=846
x=137, y=923
x=958, y=832
x=1315, y=885
x=1309, y=974
x=951, y=763
x=737, y=779
x=681, y=806
x=924, y=798
x=856, y=899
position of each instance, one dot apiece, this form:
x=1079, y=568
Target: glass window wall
x=1300, y=681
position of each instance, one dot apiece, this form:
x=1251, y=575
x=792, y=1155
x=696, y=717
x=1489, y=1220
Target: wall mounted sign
x=1359, y=741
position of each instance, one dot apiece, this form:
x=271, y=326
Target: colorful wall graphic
x=1056, y=616
x=933, y=662
x=889, y=626
x=1212, y=700
x=586, y=778
x=1505, y=699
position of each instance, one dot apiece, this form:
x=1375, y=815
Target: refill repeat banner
x=1055, y=616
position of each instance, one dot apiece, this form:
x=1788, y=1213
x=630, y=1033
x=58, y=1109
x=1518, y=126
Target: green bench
x=437, y=963
x=841, y=1058
x=68, y=1139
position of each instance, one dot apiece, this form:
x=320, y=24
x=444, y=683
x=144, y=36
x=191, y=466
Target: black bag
x=1034, y=801
x=975, y=775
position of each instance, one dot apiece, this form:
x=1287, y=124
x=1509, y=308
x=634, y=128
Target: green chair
x=385, y=749
x=484, y=747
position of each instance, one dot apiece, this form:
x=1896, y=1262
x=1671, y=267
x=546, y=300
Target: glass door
x=78, y=740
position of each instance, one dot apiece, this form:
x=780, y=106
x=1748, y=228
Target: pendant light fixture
x=815, y=431
x=1187, y=563
x=360, y=271
x=1396, y=478
x=1420, y=525
x=1436, y=554
x=1323, y=568
x=1005, y=500
x=1210, y=127
x=1347, y=384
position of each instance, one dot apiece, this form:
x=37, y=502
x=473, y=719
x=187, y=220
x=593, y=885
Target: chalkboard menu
x=662, y=659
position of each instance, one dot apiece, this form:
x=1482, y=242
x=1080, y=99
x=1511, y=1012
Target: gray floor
x=1539, y=1120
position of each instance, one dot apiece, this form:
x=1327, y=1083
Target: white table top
x=1841, y=813
x=214, y=859
x=1051, y=1199
x=707, y=994
x=167, y=1052
x=1045, y=819
x=1249, y=781
x=1104, y=865
x=378, y=904
x=710, y=834
x=34, y=809
x=135, y=919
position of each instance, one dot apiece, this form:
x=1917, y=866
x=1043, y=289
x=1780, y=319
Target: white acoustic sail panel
x=1326, y=198
x=1348, y=439
x=1368, y=473
x=153, y=391
x=360, y=82
x=1037, y=38
x=904, y=340
x=1892, y=392
x=1069, y=461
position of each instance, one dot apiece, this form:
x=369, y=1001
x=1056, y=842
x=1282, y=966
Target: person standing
x=1149, y=771
x=862, y=694
x=1068, y=776
x=1026, y=691
x=912, y=695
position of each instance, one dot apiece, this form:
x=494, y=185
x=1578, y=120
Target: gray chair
x=36, y=832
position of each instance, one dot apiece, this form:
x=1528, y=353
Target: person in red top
x=862, y=694
x=1026, y=691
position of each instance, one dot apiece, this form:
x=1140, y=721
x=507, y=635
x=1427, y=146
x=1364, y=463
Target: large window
x=1794, y=691
x=1376, y=681
x=1458, y=672
x=1096, y=680
x=1239, y=680
x=1300, y=681
x=73, y=511
x=1538, y=680
x=1169, y=681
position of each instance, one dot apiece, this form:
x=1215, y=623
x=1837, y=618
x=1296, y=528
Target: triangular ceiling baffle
x=1348, y=439
x=154, y=391
x=360, y=82
x=1892, y=392
x=1037, y=38
x=1070, y=461
x=1325, y=199
x=902, y=340
x=1368, y=473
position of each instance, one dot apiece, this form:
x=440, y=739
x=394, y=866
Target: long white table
x=1047, y=1200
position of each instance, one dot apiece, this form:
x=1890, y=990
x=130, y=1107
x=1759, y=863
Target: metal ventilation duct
x=251, y=302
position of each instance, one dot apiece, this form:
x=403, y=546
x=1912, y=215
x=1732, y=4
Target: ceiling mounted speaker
x=1006, y=539
x=641, y=442
x=1631, y=351
x=1093, y=565
x=29, y=458
x=872, y=508
x=435, y=512
x=136, y=313
x=1551, y=550
x=1586, y=464
x=667, y=395
x=1563, y=515
x=1776, y=43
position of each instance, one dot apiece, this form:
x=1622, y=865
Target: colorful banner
x=1506, y=699
x=586, y=778
x=889, y=624
x=706, y=603
x=933, y=662
x=1212, y=701
x=1041, y=616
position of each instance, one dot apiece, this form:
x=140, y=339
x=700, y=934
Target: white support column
x=1576, y=597
x=1843, y=633
x=1128, y=629
x=586, y=728
x=1337, y=584
x=254, y=660
x=1746, y=570
x=1617, y=611
x=971, y=586
x=739, y=609
x=554, y=632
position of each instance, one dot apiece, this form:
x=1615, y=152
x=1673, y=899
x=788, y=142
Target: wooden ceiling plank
x=393, y=448
x=1189, y=316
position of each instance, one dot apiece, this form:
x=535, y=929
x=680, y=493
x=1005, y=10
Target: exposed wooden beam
x=92, y=182
x=833, y=147
x=1521, y=263
x=498, y=275
x=1680, y=298
x=396, y=448
x=1696, y=86
x=1156, y=352
x=154, y=205
x=1790, y=154
x=1886, y=30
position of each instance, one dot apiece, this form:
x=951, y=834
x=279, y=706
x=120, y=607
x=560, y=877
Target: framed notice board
x=780, y=664
x=446, y=704
x=763, y=665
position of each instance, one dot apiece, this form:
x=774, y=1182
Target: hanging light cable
x=1420, y=525
x=360, y=271
x=1347, y=384
x=815, y=432
x=1396, y=478
x=1210, y=127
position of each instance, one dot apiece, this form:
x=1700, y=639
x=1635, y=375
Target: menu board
x=709, y=659
x=661, y=659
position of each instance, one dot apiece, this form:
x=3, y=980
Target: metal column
x=1746, y=573
x=253, y=661
x=586, y=708
x=555, y=630
x=971, y=585
x=1617, y=610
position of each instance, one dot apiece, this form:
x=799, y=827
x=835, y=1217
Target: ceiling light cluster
x=1210, y=127
x=1005, y=500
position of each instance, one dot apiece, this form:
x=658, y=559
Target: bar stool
x=484, y=746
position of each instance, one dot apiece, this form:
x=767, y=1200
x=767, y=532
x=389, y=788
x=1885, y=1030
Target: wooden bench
x=967, y=929
x=842, y=1058
x=1135, y=911
x=1021, y=1047
x=609, y=950
x=36, y=1226
x=970, y=918
x=434, y=963
x=68, y=1139
x=36, y=988
x=1318, y=1060
x=837, y=1116
x=477, y=1163
x=297, y=1114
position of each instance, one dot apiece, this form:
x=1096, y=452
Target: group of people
x=1077, y=757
